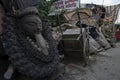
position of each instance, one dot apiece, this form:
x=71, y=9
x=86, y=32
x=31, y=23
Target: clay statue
x=28, y=40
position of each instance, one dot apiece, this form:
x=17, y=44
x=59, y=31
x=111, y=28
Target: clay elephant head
x=32, y=25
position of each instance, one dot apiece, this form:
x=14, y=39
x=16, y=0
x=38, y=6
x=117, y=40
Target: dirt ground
x=103, y=66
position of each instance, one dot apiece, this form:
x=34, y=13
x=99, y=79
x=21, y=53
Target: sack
x=94, y=46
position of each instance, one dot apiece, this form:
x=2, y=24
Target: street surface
x=103, y=66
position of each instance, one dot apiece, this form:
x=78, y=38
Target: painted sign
x=66, y=4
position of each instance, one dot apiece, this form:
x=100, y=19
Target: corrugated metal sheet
x=113, y=11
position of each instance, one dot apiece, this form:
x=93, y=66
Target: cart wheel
x=86, y=51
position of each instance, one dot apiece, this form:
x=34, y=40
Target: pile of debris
x=99, y=20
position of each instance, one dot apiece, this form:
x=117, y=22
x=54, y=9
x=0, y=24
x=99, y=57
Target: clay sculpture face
x=33, y=26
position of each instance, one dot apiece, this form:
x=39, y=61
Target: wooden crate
x=72, y=42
